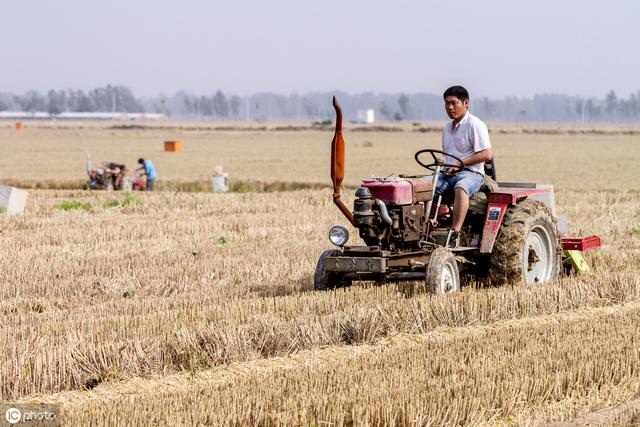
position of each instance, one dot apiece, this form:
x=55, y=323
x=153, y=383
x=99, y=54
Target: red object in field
x=138, y=185
x=581, y=243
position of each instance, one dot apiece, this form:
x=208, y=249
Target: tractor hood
x=399, y=191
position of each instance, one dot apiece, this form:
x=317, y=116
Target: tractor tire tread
x=506, y=257
x=437, y=260
x=323, y=280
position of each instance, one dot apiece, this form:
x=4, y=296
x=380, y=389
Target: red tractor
x=510, y=233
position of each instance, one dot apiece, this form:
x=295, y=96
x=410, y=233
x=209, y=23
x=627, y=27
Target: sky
x=495, y=48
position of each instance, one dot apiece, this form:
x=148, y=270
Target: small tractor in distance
x=510, y=233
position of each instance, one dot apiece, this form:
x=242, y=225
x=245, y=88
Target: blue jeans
x=469, y=181
x=150, y=184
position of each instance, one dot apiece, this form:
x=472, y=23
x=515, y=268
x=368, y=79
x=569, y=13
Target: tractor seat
x=478, y=202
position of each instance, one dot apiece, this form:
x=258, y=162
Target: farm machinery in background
x=113, y=176
x=510, y=233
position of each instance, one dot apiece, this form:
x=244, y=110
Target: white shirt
x=468, y=137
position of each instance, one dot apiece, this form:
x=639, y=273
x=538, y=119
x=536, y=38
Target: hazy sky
x=495, y=48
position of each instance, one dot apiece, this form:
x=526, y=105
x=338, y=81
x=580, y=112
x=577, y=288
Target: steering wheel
x=438, y=161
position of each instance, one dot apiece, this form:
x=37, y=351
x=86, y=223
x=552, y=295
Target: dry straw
x=98, y=291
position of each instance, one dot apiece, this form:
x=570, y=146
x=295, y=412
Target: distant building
x=37, y=115
x=366, y=116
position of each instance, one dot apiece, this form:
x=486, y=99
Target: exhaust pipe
x=337, y=164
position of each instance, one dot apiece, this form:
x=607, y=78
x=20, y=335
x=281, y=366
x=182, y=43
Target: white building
x=366, y=116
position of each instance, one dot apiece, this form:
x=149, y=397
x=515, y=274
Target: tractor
x=510, y=233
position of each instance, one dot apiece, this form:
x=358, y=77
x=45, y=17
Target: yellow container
x=19, y=125
x=172, y=146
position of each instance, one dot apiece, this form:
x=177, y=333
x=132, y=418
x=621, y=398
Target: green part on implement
x=577, y=260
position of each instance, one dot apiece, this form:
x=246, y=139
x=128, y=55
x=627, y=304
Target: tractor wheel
x=324, y=280
x=527, y=248
x=442, y=275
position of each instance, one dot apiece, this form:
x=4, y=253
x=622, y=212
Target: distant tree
x=35, y=102
x=57, y=102
x=220, y=104
x=593, y=111
x=188, y=105
x=234, y=105
x=84, y=103
x=579, y=108
x=610, y=103
x=125, y=100
x=635, y=98
x=397, y=117
x=385, y=111
x=310, y=108
x=628, y=107
x=21, y=102
x=405, y=105
x=205, y=106
x=4, y=104
x=488, y=107
x=101, y=98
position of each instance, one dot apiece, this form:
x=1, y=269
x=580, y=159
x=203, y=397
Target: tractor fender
x=498, y=203
x=492, y=222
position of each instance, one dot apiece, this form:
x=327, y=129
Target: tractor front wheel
x=527, y=249
x=443, y=275
x=324, y=280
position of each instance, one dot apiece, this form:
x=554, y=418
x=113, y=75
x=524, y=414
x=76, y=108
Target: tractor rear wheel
x=527, y=249
x=324, y=280
x=442, y=275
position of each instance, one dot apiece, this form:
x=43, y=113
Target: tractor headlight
x=338, y=235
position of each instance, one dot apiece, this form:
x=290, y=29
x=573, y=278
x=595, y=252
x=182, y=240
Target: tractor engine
x=389, y=212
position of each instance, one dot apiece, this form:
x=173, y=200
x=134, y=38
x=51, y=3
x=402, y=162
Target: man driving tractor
x=467, y=138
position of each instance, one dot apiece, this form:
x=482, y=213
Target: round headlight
x=338, y=235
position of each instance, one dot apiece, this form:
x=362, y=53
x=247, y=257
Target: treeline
x=316, y=106
x=103, y=99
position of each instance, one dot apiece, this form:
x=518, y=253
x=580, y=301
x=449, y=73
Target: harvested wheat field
x=45, y=155
x=195, y=308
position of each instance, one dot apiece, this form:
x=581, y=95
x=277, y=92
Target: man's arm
x=481, y=156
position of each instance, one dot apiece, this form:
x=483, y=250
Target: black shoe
x=454, y=239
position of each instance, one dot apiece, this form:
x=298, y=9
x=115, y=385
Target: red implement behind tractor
x=510, y=233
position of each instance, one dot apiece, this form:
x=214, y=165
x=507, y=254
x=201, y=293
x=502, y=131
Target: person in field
x=467, y=138
x=118, y=170
x=149, y=170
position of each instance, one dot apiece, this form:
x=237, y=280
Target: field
x=194, y=308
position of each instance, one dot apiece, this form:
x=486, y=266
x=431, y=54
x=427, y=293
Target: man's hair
x=458, y=91
x=141, y=161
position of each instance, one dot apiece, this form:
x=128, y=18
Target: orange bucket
x=172, y=146
x=19, y=125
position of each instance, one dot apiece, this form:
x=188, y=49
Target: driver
x=467, y=138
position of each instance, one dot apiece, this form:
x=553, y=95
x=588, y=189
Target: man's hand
x=452, y=170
